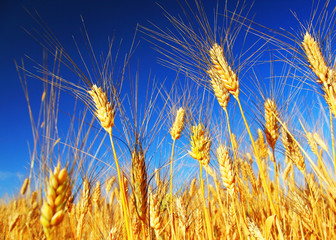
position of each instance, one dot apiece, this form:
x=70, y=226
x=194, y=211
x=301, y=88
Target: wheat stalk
x=326, y=78
x=105, y=112
x=230, y=81
x=175, y=132
x=200, y=150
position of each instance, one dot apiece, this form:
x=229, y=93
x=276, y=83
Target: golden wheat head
x=104, y=110
x=52, y=211
x=315, y=58
x=178, y=124
x=222, y=94
x=271, y=123
x=200, y=144
x=226, y=169
x=220, y=67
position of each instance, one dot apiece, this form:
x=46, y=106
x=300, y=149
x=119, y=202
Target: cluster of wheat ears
x=277, y=181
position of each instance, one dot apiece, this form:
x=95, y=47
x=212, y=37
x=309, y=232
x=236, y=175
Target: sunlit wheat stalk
x=326, y=78
x=175, y=133
x=200, y=151
x=272, y=134
x=105, y=113
x=229, y=79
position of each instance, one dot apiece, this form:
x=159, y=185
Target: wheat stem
x=171, y=187
x=276, y=177
x=207, y=217
x=122, y=191
x=332, y=141
x=262, y=174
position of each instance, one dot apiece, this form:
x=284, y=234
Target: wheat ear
x=225, y=167
x=315, y=58
x=271, y=123
x=156, y=221
x=222, y=94
x=326, y=78
x=293, y=151
x=178, y=124
x=223, y=71
x=140, y=184
x=230, y=81
x=24, y=186
x=52, y=211
x=84, y=206
x=200, y=144
x=104, y=110
x=200, y=150
x=254, y=230
x=96, y=195
x=312, y=143
x=261, y=144
x=182, y=215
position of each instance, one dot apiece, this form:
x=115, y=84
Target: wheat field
x=221, y=152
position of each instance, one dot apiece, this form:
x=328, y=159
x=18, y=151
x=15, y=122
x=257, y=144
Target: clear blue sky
x=103, y=18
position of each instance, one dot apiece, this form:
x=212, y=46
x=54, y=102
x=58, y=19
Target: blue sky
x=103, y=19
